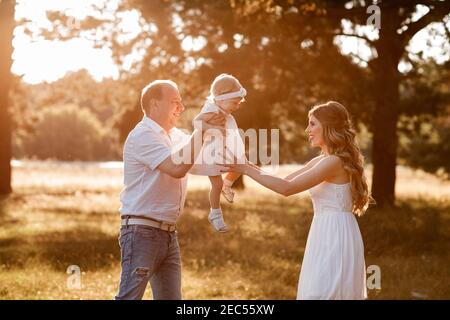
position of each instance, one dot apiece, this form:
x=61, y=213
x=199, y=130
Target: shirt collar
x=152, y=124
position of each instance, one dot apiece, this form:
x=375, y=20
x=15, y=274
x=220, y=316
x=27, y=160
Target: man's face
x=170, y=107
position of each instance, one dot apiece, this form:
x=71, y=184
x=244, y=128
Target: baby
x=226, y=95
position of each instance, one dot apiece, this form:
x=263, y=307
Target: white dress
x=333, y=265
x=212, y=150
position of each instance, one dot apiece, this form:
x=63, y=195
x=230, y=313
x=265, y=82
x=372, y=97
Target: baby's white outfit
x=212, y=151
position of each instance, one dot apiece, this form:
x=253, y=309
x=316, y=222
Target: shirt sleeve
x=179, y=139
x=150, y=150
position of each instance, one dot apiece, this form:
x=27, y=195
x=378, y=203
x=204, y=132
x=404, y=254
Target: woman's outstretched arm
x=306, y=167
x=324, y=169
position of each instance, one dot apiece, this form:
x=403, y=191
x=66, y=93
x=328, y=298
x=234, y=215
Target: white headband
x=236, y=94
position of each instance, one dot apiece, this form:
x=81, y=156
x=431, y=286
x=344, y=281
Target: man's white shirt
x=148, y=191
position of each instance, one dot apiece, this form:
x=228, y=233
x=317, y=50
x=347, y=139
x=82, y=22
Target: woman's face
x=315, y=132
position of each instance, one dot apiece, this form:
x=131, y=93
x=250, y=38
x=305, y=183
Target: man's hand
x=238, y=166
x=204, y=122
x=211, y=120
x=218, y=119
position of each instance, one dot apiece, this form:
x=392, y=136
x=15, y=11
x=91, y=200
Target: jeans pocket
x=126, y=245
x=124, y=236
x=147, y=233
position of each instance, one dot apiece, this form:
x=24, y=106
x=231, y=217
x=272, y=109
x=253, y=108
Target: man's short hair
x=154, y=90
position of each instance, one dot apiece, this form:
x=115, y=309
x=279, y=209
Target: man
x=154, y=193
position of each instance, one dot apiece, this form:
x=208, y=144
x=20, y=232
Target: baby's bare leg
x=215, y=216
x=232, y=176
x=216, y=188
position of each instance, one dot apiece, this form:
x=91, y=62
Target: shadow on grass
x=88, y=248
x=5, y=218
x=264, y=247
x=413, y=227
x=3, y=209
x=265, y=244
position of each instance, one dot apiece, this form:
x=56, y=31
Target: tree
x=424, y=133
x=396, y=30
x=383, y=78
x=284, y=51
x=383, y=81
x=69, y=132
x=6, y=35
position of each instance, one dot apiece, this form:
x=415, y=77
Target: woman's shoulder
x=330, y=161
x=315, y=160
x=333, y=159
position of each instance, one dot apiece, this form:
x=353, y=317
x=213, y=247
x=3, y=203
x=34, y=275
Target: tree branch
x=447, y=30
x=437, y=13
x=356, y=36
x=351, y=54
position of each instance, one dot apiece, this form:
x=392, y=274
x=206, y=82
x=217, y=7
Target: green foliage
x=424, y=127
x=285, y=54
x=429, y=148
x=104, y=100
x=68, y=132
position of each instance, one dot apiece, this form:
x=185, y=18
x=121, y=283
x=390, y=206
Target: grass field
x=64, y=214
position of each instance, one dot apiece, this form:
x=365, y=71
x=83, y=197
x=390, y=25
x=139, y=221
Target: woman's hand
x=238, y=166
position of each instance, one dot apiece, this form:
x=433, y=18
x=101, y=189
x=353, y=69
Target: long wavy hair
x=340, y=139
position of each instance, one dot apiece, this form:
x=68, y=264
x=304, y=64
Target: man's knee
x=132, y=286
x=142, y=272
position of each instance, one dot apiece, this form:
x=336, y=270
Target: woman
x=333, y=266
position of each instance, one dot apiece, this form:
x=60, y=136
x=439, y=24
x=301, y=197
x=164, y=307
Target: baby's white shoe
x=215, y=217
x=228, y=194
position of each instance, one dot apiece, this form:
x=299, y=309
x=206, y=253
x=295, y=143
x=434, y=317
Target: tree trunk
x=128, y=120
x=6, y=35
x=385, y=117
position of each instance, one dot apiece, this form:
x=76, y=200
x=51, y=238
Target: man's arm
x=186, y=156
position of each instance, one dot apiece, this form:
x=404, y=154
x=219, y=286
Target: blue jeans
x=149, y=254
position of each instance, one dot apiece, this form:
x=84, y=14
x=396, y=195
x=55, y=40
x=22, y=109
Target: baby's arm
x=205, y=116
